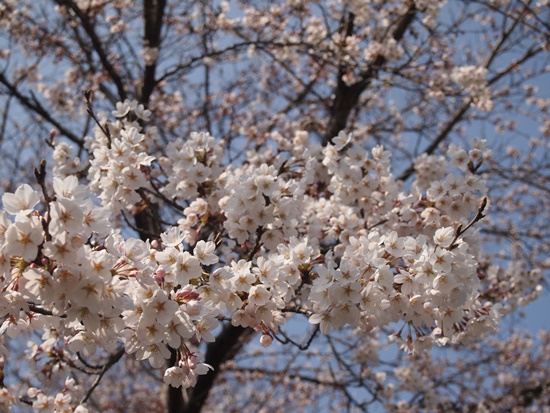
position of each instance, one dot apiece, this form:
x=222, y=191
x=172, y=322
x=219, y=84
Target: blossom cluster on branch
x=238, y=167
x=327, y=232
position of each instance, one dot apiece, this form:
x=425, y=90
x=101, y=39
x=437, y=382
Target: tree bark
x=227, y=345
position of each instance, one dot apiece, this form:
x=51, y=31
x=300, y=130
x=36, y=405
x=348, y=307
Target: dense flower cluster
x=328, y=232
x=473, y=79
x=150, y=250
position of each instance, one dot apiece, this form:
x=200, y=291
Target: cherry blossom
x=272, y=195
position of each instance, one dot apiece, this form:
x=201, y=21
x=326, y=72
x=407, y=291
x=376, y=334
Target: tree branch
x=31, y=103
x=113, y=359
x=97, y=45
x=153, y=12
x=228, y=343
x=346, y=97
x=459, y=114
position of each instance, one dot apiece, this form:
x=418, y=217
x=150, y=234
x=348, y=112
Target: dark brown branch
x=461, y=230
x=39, y=310
x=457, y=117
x=195, y=61
x=113, y=359
x=153, y=12
x=300, y=346
x=97, y=45
x=146, y=219
x=346, y=97
x=90, y=110
x=32, y=103
x=147, y=225
x=228, y=343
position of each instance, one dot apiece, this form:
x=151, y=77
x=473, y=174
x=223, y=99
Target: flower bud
x=266, y=340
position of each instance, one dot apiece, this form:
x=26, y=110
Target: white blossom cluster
x=473, y=79
x=326, y=232
x=65, y=163
x=119, y=164
x=191, y=163
x=62, y=402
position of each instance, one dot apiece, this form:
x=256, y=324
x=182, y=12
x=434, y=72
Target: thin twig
x=112, y=360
